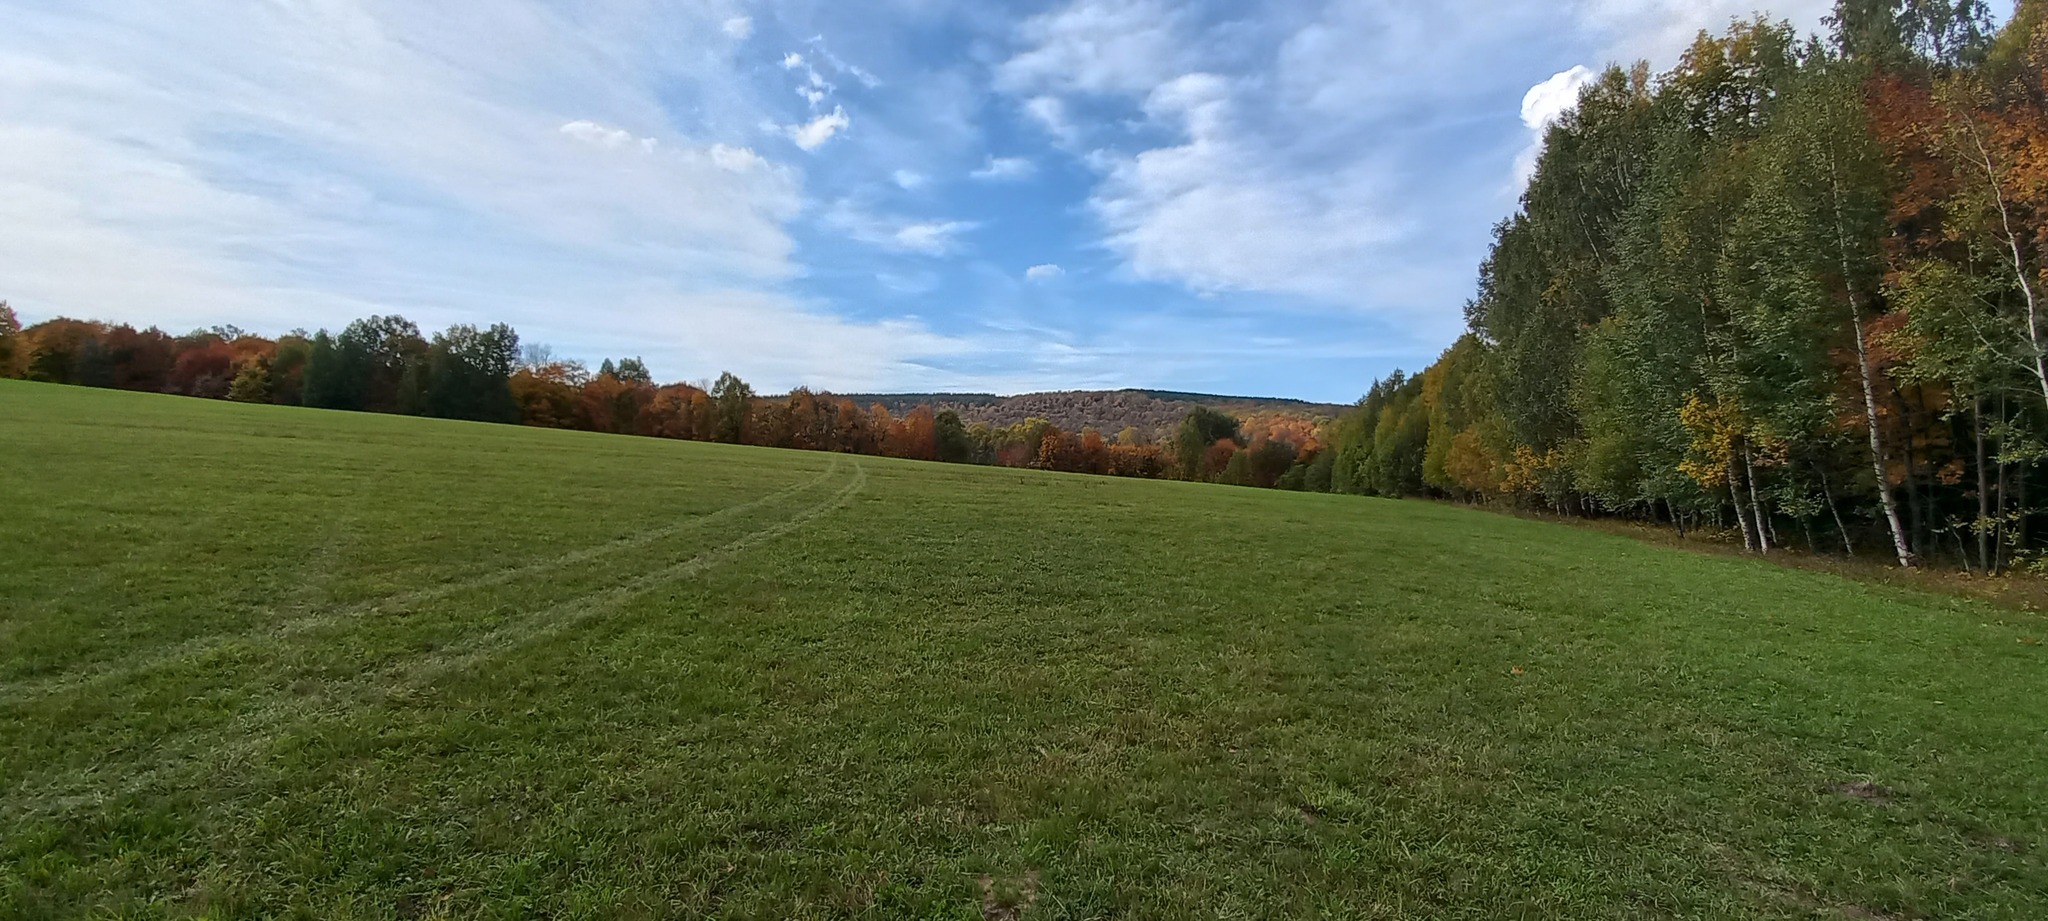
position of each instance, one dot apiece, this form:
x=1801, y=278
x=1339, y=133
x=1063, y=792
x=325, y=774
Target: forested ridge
x=1153, y=413
x=1791, y=289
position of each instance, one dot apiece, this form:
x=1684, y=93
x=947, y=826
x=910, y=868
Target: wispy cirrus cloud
x=591, y=132
x=999, y=169
x=922, y=236
x=1100, y=46
x=1250, y=187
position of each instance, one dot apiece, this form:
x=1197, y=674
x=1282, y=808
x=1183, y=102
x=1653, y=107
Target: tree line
x=386, y=364
x=1792, y=288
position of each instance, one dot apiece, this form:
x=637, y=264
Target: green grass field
x=262, y=662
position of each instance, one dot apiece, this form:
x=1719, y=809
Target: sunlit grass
x=261, y=662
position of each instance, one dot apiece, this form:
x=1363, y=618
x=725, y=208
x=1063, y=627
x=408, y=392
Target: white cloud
x=1097, y=46
x=1548, y=101
x=736, y=159
x=899, y=234
x=1001, y=168
x=1542, y=106
x=1051, y=114
x=591, y=132
x=813, y=134
x=1354, y=60
x=739, y=27
x=815, y=88
x=1045, y=272
x=911, y=283
x=840, y=65
x=932, y=237
x=908, y=180
x=1219, y=213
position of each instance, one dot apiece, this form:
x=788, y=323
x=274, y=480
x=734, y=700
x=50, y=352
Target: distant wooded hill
x=1151, y=412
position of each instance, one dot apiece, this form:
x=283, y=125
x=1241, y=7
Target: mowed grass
x=272, y=662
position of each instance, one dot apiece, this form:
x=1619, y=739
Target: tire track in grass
x=202, y=646
x=516, y=633
x=243, y=738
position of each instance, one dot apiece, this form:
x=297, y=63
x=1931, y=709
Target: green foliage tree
x=366, y=366
x=252, y=384
x=1199, y=429
x=92, y=366
x=954, y=445
x=633, y=371
x=388, y=348
x=10, y=342
x=1895, y=34
x=332, y=379
x=53, y=348
x=1814, y=262
x=287, y=369
x=1541, y=288
x=468, y=374
x=734, y=401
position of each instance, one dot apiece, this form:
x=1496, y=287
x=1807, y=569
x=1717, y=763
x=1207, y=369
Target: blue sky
x=1284, y=198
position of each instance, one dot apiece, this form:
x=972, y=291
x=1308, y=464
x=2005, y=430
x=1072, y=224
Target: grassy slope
x=259, y=661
